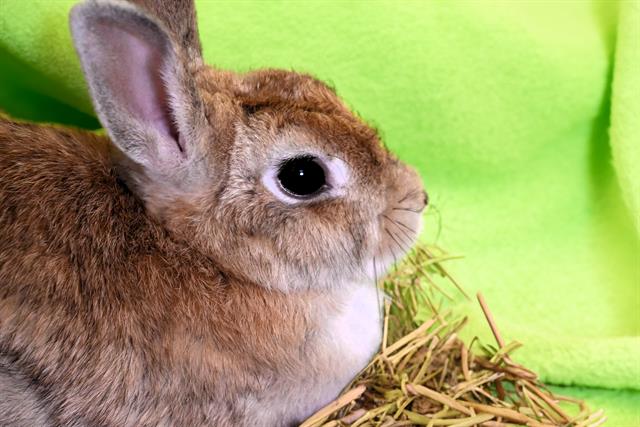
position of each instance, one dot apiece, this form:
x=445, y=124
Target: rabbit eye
x=302, y=176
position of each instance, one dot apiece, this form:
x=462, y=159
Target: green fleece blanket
x=523, y=118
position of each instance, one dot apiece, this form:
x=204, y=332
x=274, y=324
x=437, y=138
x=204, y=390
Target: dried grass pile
x=425, y=375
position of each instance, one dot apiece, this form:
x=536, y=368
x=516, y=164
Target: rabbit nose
x=425, y=199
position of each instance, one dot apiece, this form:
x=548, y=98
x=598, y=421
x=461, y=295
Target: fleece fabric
x=522, y=117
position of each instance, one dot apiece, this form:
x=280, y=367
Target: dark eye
x=301, y=176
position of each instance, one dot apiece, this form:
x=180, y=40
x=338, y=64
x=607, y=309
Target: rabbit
x=212, y=260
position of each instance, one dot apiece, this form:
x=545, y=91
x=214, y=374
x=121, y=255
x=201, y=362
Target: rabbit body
x=213, y=260
x=110, y=321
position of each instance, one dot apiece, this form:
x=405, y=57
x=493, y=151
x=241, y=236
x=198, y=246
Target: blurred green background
x=522, y=117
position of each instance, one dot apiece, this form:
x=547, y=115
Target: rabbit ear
x=140, y=84
x=179, y=17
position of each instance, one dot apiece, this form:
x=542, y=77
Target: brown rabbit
x=213, y=261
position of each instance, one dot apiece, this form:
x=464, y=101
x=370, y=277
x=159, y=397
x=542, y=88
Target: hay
x=425, y=375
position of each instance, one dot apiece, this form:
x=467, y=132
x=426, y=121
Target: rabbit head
x=268, y=173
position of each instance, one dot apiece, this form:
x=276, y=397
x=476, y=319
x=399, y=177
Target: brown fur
x=179, y=16
x=124, y=303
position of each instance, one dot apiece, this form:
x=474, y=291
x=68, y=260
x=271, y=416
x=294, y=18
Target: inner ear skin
x=134, y=68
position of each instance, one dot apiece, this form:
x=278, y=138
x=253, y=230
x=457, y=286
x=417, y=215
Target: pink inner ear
x=133, y=67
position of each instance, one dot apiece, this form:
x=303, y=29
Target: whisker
x=408, y=242
x=405, y=226
x=401, y=224
x=407, y=209
x=409, y=237
x=409, y=194
x=395, y=239
x=406, y=248
x=395, y=259
x=406, y=239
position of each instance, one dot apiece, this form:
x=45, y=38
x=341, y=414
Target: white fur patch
x=348, y=334
x=353, y=336
x=357, y=330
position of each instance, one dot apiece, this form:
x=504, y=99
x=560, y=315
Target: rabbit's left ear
x=142, y=90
